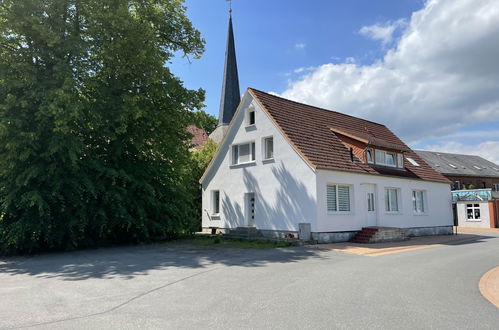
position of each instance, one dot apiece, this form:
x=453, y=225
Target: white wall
x=284, y=188
x=438, y=202
x=463, y=217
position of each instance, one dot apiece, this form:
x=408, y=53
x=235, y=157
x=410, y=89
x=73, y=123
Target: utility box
x=305, y=231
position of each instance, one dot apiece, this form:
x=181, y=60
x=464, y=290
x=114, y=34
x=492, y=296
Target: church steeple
x=230, y=88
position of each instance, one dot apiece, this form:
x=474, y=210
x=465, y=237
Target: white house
x=283, y=163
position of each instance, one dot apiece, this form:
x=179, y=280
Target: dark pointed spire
x=230, y=88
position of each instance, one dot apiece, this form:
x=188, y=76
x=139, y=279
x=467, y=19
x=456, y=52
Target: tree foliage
x=204, y=120
x=92, y=130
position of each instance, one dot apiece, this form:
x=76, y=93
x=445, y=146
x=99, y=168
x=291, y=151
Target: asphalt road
x=179, y=286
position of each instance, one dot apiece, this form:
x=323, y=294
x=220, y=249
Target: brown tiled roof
x=199, y=136
x=311, y=131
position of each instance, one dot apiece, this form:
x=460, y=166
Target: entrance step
x=379, y=234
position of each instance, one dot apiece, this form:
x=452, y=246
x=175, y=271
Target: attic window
x=412, y=161
x=452, y=165
x=251, y=117
x=369, y=154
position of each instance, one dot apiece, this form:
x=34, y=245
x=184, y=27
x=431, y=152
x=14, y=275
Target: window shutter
x=244, y=153
x=331, y=199
x=343, y=198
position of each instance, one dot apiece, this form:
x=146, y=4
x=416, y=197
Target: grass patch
x=240, y=244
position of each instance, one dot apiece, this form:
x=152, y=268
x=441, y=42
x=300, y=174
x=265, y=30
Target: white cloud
x=350, y=60
x=441, y=75
x=300, y=45
x=383, y=32
x=304, y=69
x=488, y=149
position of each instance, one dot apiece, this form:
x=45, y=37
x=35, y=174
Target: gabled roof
x=311, y=131
x=459, y=165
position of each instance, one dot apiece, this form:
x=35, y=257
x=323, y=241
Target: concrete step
x=379, y=234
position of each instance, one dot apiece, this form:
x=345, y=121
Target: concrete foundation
x=345, y=236
x=333, y=237
x=429, y=231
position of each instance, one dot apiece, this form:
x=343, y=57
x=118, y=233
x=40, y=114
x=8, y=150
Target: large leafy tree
x=92, y=122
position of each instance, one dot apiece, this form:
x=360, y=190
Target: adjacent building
x=465, y=171
x=475, y=187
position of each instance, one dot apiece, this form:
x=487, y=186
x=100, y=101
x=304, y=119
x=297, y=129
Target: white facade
x=480, y=219
x=288, y=191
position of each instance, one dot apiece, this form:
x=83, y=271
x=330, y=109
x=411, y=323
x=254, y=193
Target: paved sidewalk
x=489, y=286
x=477, y=230
x=416, y=243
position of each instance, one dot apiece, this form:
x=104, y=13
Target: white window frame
x=350, y=202
x=214, y=205
x=264, y=147
x=473, y=207
x=412, y=161
x=370, y=151
x=384, y=153
x=400, y=160
x=388, y=208
x=424, y=202
x=252, y=148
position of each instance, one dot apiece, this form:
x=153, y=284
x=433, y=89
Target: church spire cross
x=230, y=6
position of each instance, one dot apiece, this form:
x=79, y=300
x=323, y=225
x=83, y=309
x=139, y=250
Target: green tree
x=204, y=120
x=92, y=129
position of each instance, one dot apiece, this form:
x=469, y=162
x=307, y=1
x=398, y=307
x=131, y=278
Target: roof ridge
x=318, y=108
x=451, y=153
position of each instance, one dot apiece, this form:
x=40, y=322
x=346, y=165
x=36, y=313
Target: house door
x=250, y=209
x=370, y=196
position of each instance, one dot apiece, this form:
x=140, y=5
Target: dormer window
x=251, y=117
x=400, y=161
x=385, y=158
x=390, y=159
x=369, y=156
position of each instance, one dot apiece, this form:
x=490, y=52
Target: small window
x=473, y=212
x=216, y=201
x=243, y=153
x=391, y=200
x=452, y=165
x=477, y=167
x=418, y=201
x=412, y=161
x=369, y=156
x=268, y=144
x=496, y=186
x=338, y=198
x=251, y=117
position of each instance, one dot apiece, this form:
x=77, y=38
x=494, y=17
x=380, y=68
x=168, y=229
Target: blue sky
x=423, y=68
